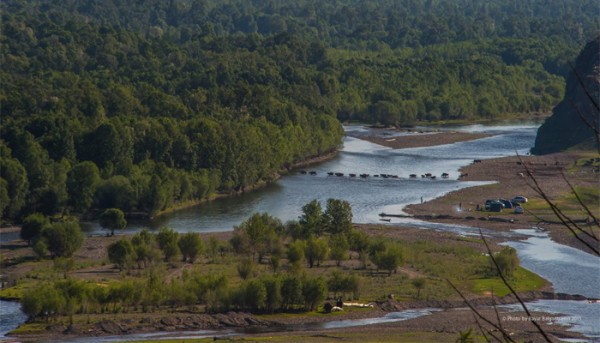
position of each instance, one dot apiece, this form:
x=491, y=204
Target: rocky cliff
x=571, y=119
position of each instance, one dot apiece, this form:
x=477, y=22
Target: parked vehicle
x=519, y=210
x=496, y=206
x=519, y=199
x=489, y=202
x=506, y=203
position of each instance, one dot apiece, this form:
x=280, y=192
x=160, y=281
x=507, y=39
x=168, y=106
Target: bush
x=246, y=268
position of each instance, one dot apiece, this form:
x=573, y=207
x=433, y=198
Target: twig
x=482, y=317
x=565, y=220
x=512, y=290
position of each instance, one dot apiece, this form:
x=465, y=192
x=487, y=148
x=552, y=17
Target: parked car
x=518, y=209
x=519, y=199
x=489, y=202
x=506, y=203
x=496, y=206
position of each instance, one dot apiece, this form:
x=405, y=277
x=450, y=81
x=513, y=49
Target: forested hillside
x=140, y=105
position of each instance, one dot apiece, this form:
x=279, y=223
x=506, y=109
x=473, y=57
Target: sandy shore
x=459, y=207
x=402, y=138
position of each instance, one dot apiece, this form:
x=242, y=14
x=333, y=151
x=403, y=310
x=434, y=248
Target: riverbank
x=410, y=138
x=257, y=185
x=509, y=173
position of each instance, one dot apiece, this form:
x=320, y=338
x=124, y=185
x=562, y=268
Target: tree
x=315, y=250
x=311, y=221
x=81, y=185
x=63, y=239
x=419, y=284
x=121, y=253
x=167, y=242
x=385, y=256
x=339, y=248
x=254, y=235
x=507, y=261
x=314, y=291
x=190, y=245
x=274, y=297
x=360, y=242
x=113, y=219
x=295, y=253
x=255, y=294
x=338, y=216
x=32, y=227
x=146, y=251
x=291, y=291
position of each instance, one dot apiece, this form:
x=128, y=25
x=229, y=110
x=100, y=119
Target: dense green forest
x=141, y=105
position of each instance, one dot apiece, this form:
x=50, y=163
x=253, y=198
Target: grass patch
x=30, y=329
x=11, y=293
x=522, y=281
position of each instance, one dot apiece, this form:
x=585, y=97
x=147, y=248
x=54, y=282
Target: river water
x=570, y=270
x=368, y=197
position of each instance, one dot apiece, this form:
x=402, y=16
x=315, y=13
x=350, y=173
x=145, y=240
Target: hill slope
x=573, y=119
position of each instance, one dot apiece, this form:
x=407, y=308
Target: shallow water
x=11, y=317
x=570, y=270
x=580, y=315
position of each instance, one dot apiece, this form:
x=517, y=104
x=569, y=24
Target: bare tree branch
x=583, y=204
x=506, y=336
x=564, y=219
x=512, y=290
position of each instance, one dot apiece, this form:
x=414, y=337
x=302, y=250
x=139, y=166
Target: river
x=559, y=264
x=368, y=197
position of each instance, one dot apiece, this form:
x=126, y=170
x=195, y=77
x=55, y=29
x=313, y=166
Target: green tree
x=339, y=248
x=419, y=284
x=255, y=294
x=360, y=242
x=167, y=242
x=338, y=216
x=314, y=290
x=507, y=261
x=315, y=250
x=190, y=245
x=17, y=185
x=145, y=246
x=254, y=235
x=43, y=299
x=311, y=221
x=32, y=227
x=121, y=253
x=113, y=219
x=63, y=238
x=274, y=297
x=291, y=291
x=81, y=185
x=295, y=253
x=387, y=259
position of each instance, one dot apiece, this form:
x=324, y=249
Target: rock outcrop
x=570, y=122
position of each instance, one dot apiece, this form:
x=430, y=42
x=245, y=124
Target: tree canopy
x=144, y=105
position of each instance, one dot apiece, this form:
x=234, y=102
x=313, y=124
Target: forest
x=143, y=105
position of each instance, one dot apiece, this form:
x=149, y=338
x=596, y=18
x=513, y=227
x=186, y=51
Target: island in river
x=435, y=294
